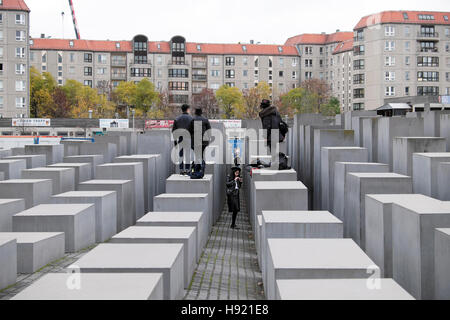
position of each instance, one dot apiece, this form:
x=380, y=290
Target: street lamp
x=133, y=112
x=90, y=114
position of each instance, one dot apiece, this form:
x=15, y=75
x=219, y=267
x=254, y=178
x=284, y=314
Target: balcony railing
x=119, y=76
x=357, y=39
x=198, y=90
x=421, y=34
x=199, y=77
x=119, y=63
x=432, y=50
x=197, y=64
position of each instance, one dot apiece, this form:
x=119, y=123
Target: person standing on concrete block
x=199, y=143
x=234, y=184
x=271, y=120
x=183, y=122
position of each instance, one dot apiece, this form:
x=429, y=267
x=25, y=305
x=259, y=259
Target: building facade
x=14, y=58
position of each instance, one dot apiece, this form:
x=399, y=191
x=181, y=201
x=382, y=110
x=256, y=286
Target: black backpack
x=197, y=171
x=284, y=129
x=284, y=162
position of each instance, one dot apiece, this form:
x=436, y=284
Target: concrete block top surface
x=398, y=198
x=49, y=169
x=21, y=181
x=377, y=175
x=107, y=182
x=299, y=217
x=6, y=201
x=7, y=240
x=132, y=256
x=139, y=156
x=68, y=165
x=84, y=194
x=156, y=233
x=177, y=177
x=120, y=164
x=279, y=185
x=11, y=161
x=55, y=210
x=419, y=138
x=317, y=253
x=29, y=237
x=426, y=206
x=98, y=156
x=268, y=171
x=340, y=289
x=434, y=154
x=171, y=216
x=95, y=286
x=181, y=195
x=343, y=148
x=444, y=232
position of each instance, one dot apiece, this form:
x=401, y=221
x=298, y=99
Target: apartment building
x=14, y=58
x=182, y=68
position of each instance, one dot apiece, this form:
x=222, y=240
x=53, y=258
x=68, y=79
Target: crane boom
x=75, y=24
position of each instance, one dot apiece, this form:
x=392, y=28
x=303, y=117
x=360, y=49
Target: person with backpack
x=199, y=147
x=271, y=120
x=183, y=122
x=234, y=184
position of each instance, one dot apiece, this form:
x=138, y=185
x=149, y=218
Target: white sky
x=219, y=21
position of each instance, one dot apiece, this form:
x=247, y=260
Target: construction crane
x=75, y=24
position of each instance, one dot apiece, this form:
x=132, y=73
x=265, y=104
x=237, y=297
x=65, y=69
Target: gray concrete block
x=187, y=236
x=108, y=150
x=53, y=153
x=341, y=289
x=219, y=172
x=358, y=127
x=124, y=192
x=444, y=181
x=63, y=179
x=445, y=129
x=18, y=151
x=139, y=258
x=370, y=137
x=127, y=171
x=96, y=286
x=179, y=219
x=328, y=160
x=413, y=230
x=8, y=262
x=33, y=161
x=442, y=264
x=131, y=140
x=83, y=171
x=358, y=185
x=432, y=123
x=94, y=160
x=2, y=176
x=405, y=147
x=315, y=259
x=12, y=168
x=119, y=140
x=72, y=147
x=183, y=184
x=34, y=191
x=379, y=228
x=348, y=116
x=425, y=172
x=5, y=153
x=8, y=208
x=150, y=175
x=105, y=209
x=340, y=174
x=258, y=241
x=36, y=250
x=77, y=221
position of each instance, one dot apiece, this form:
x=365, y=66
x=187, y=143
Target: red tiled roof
x=314, y=38
x=397, y=17
x=344, y=47
x=163, y=47
x=17, y=5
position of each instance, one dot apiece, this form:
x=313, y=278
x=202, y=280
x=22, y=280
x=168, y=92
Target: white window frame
x=21, y=21
x=389, y=61
x=21, y=37
x=390, y=91
x=389, y=31
x=389, y=45
x=71, y=70
x=2, y=101
x=389, y=76
x=21, y=102
x=2, y=87
x=20, y=85
x=20, y=68
x=20, y=52
x=102, y=58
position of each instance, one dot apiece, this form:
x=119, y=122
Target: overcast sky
x=219, y=21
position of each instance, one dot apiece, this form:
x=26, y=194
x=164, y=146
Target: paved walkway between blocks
x=228, y=269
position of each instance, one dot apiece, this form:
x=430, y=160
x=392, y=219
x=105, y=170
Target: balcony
x=428, y=50
x=199, y=64
x=197, y=90
x=119, y=76
x=199, y=77
x=119, y=63
x=427, y=35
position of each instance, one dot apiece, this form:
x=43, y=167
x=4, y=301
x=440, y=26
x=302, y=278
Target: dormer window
x=117, y=45
x=280, y=49
x=244, y=48
x=446, y=18
x=405, y=16
x=199, y=48
x=71, y=44
x=159, y=46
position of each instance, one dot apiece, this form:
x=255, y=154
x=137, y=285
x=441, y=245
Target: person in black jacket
x=234, y=184
x=183, y=122
x=271, y=120
x=203, y=141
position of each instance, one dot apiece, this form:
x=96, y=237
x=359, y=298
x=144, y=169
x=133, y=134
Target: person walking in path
x=234, y=184
x=183, y=122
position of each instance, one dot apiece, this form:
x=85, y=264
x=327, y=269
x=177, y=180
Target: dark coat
x=182, y=122
x=206, y=126
x=271, y=120
x=234, y=203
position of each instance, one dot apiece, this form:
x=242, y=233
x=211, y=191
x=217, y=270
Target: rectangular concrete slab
x=123, y=188
x=105, y=209
x=118, y=140
x=8, y=208
x=442, y=264
x=167, y=259
x=33, y=191
x=358, y=185
x=77, y=221
x=83, y=171
x=425, y=172
x=179, y=219
x=53, y=153
x=96, y=286
x=341, y=289
x=370, y=137
x=12, y=169
x=108, y=150
x=315, y=259
x=72, y=147
x=63, y=179
x=94, y=160
x=413, y=230
x=187, y=236
x=444, y=181
x=32, y=161
x=36, y=250
x=8, y=262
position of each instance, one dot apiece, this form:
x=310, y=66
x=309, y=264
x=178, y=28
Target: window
x=176, y=46
x=1, y=35
x=427, y=91
x=178, y=99
x=447, y=76
x=20, y=35
x=281, y=62
x=229, y=74
x=20, y=102
x=358, y=93
x=428, y=61
x=405, y=16
x=143, y=59
x=159, y=60
x=179, y=86
x=390, y=91
x=88, y=57
x=428, y=46
x=60, y=58
x=358, y=106
x=358, y=50
x=245, y=61
x=229, y=61
x=358, y=79
x=359, y=35
x=72, y=57
x=256, y=74
x=20, y=19
x=159, y=73
x=446, y=18
x=88, y=83
x=215, y=61
x=308, y=63
x=389, y=76
x=178, y=73
x=389, y=61
x=281, y=74
x=71, y=70
x=407, y=76
x=1, y=102
x=245, y=73
x=447, y=47
x=407, y=31
x=308, y=75
x=407, y=46
x=294, y=75
x=309, y=50
x=215, y=73
x=256, y=63
x=20, y=85
x=358, y=64
x=1, y=85
x=389, y=31
x=88, y=71
x=20, y=68
x=101, y=71
x=215, y=86
x=426, y=17
x=294, y=62
x=389, y=46
x=20, y=52
x=428, y=76
x=230, y=84
x=407, y=60
x=270, y=63
x=101, y=58
x=406, y=91
x=1, y=17
x=447, y=32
